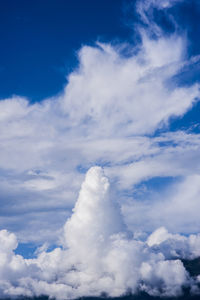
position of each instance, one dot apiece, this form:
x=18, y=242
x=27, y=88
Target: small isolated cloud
x=99, y=255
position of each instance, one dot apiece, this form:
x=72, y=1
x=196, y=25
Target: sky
x=99, y=147
x=41, y=39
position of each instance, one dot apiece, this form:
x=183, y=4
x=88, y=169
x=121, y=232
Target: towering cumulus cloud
x=95, y=216
x=99, y=255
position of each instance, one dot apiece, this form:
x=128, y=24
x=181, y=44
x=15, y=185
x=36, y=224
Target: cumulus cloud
x=120, y=237
x=139, y=103
x=99, y=255
x=175, y=245
x=46, y=147
x=108, y=114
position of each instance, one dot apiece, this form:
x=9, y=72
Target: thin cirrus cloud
x=114, y=111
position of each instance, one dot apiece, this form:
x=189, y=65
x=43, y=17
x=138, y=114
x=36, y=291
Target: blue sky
x=98, y=94
x=41, y=39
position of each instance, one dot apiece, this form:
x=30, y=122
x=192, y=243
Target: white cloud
x=99, y=255
x=170, y=209
x=122, y=97
x=109, y=106
x=107, y=115
x=146, y=8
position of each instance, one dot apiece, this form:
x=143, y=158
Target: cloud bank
x=99, y=256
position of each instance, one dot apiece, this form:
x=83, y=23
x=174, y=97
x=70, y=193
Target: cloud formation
x=146, y=9
x=46, y=147
x=99, y=255
x=114, y=112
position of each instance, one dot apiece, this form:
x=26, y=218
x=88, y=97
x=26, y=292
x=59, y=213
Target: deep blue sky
x=39, y=40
